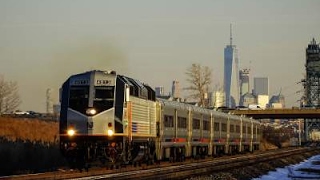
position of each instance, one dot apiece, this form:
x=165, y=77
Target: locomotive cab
x=88, y=105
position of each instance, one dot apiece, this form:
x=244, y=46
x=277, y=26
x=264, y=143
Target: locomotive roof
x=129, y=81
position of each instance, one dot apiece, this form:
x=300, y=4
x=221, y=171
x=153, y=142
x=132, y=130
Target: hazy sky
x=42, y=42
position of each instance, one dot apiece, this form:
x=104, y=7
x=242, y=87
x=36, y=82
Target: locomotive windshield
x=104, y=98
x=104, y=92
x=79, y=98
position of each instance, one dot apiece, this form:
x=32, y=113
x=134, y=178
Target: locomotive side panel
x=143, y=117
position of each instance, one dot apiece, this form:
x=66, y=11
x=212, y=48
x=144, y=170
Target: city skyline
x=44, y=42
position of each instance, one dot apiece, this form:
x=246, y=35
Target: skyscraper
x=159, y=91
x=216, y=99
x=231, y=74
x=244, y=81
x=175, y=89
x=261, y=86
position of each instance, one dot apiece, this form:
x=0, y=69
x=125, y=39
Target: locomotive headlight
x=110, y=132
x=71, y=132
x=91, y=111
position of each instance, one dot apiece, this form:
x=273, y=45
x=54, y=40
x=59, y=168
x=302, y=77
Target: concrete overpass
x=280, y=113
x=311, y=117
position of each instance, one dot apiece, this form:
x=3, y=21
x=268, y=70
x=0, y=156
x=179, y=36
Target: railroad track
x=199, y=168
x=179, y=170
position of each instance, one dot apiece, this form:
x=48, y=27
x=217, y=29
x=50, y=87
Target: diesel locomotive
x=117, y=120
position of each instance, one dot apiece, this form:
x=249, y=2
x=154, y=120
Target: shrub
x=28, y=146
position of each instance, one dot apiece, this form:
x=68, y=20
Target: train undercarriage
x=82, y=153
x=176, y=153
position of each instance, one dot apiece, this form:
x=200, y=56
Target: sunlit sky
x=42, y=42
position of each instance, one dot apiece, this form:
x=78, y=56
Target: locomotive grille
x=143, y=117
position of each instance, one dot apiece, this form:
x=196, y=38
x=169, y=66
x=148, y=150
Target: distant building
x=275, y=106
x=263, y=101
x=49, y=101
x=248, y=99
x=56, y=110
x=231, y=74
x=216, y=99
x=159, y=91
x=244, y=81
x=261, y=86
x=277, y=101
x=175, y=89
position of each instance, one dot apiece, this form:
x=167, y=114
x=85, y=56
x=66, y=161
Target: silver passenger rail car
x=189, y=131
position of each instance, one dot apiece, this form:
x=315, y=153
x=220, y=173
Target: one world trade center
x=231, y=74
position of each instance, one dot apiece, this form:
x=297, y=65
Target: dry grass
x=265, y=145
x=28, y=146
x=34, y=130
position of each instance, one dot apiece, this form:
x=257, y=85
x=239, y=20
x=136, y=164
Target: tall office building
x=216, y=99
x=175, y=89
x=261, y=86
x=231, y=74
x=244, y=81
x=159, y=91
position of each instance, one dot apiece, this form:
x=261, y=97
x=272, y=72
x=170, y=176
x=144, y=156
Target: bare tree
x=199, y=78
x=9, y=96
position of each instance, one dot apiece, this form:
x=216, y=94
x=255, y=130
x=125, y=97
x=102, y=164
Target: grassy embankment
x=28, y=145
